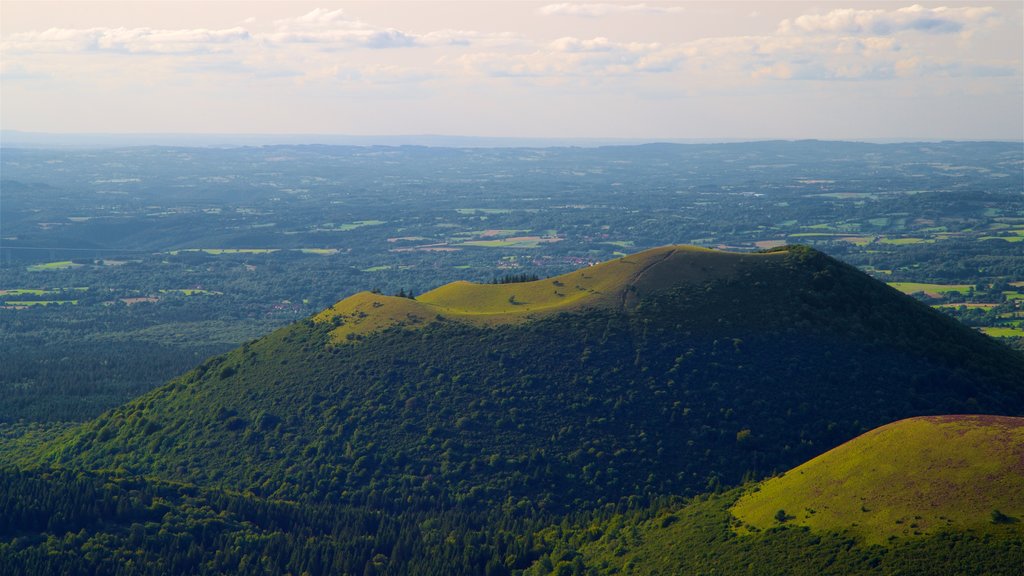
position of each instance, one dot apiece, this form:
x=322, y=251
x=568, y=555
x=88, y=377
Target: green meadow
x=62, y=265
x=1003, y=331
x=915, y=287
x=883, y=485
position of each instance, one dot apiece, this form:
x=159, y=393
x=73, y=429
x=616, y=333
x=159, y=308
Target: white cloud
x=842, y=44
x=882, y=22
x=125, y=40
x=346, y=38
x=318, y=19
x=598, y=9
x=574, y=57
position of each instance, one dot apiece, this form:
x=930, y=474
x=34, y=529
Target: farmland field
x=915, y=287
x=48, y=266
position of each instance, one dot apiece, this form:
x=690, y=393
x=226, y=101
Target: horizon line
x=13, y=138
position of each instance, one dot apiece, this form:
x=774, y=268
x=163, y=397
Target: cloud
x=881, y=22
x=575, y=57
x=598, y=9
x=125, y=40
x=346, y=38
x=333, y=30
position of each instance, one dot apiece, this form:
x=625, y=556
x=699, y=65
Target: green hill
x=929, y=495
x=912, y=477
x=487, y=411
x=615, y=285
x=692, y=369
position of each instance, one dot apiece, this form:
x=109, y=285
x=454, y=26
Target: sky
x=631, y=70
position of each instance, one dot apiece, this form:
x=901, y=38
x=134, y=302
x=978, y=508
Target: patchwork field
x=931, y=289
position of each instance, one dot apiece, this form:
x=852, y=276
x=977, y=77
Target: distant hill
x=672, y=371
x=930, y=495
x=909, y=478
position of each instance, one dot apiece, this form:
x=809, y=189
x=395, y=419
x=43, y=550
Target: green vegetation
x=27, y=291
x=468, y=446
x=915, y=287
x=49, y=266
x=698, y=538
x=582, y=406
x=191, y=291
x=903, y=241
x=885, y=484
x=38, y=302
x=1017, y=238
x=1003, y=331
x=609, y=285
x=350, y=226
x=514, y=242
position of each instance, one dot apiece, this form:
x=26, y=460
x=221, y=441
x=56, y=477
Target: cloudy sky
x=649, y=70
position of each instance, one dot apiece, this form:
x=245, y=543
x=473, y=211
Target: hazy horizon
x=621, y=71
x=71, y=140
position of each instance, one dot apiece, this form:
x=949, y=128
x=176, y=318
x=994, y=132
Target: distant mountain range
x=22, y=139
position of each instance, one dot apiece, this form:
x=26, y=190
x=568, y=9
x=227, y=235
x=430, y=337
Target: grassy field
x=915, y=287
x=190, y=291
x=319, y=251
x=1003, y=238
x=1013, y=295
x=1004, y=331
x=62, y=265
x=512, y=242
x=354, y=225
x=904, y=241
x=981, y=305
x=27, y=292
x=885, y=484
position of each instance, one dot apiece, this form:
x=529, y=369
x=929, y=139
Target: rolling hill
x=671, y=371
x=928, y=495
x=360, y=437
x=908, y=478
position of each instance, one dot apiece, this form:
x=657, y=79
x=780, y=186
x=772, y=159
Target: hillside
x=449, y=430
x=930, y=495
x=691, y=369
x=908, y=478
x=615, y=285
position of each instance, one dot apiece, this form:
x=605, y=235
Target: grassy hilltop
x=613, y=285
x=930, y=495
x=912, y=477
